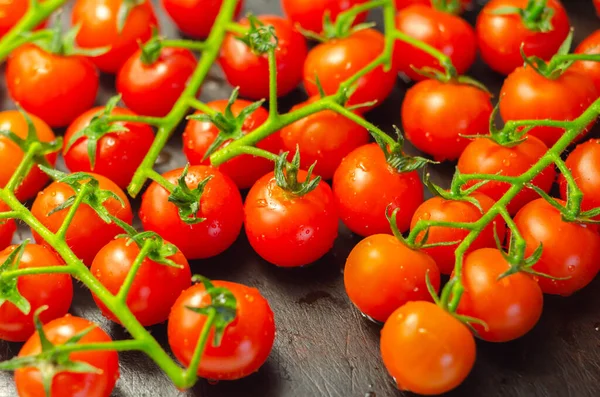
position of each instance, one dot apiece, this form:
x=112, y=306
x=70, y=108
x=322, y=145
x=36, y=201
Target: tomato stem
x=191, y=373
x=62, y=231
x=36, y=270
x=24, y=166
x=254, y=151
x=129, y=118
x=161, y=180
x=273, y=113
x=191, y=45
x=128, y=282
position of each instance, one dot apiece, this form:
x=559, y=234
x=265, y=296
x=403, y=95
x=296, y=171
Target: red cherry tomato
x=309, y=14
x=99, y=28
x=69, y=384
x=591, y=45
x=246, y=343
x=11, y=12
x=400, y=4
x=584, y=163
x=195, y=18
x=250, y=72
x=7, y=228
x=597, y=5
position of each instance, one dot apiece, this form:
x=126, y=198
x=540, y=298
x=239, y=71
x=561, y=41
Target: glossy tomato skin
x=220, y=205
x=309, y=14
x=434, y=121
x=155, y=287
x=325, y=137
x=364, y=185
x=591, y=45
x=584, y=163
x=484, y=156
x=11, y=154
x=55, y=88
x=247, y=341
x=152, y=90
x=53, y=290
x=339, y=59
x=499, y=37
x=98, y=20
x=195, y=18
x=10, y=13
x=446, y=32
x=382, y=274
x=425, y=349
x=597, y=5
x=7, y=227
x=250, y=72
x=527, y=95
x=510, y=307
x=67, y=384
x=244, y=170
x=287, y=230
x=400, y=4
x=87, y=233
x=569, y=249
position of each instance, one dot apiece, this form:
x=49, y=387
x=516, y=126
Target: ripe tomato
x=484, y=156
x=250, y=72
x=597, y=5
x=510, y=307
x=153, y=89
x=569, y=249
x=7, y=227
x=325, y=137
x=10, y=13
x=246, y=343
x=364, y=185
x=382, y=274
x=155, y=286
x=11, y=154
x=220, y=205
x=244, y=170
x=55, y=88
x=288, y=230
x=591, y=45
x=87, y=233
x=434, y=120
x=99, y=28
x=584, y=163
x=446, y=32
x=400, y=4
x=69, y=384
x=118, y=154
x=309, y=14
x=339, y=59
x=563, y=98
x=500, y=36
x=195, y=18
x=425, y=349
x=52, y=290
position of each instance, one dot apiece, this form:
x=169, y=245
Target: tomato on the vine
x=309, y=14
x=584, y=164
x=195, y=18
x=591, y=45
x=11, y=12
x=7, y=227
x=400, y=4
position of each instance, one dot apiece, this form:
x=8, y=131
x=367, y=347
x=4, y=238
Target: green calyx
x=395, y=156
x=536, y=16
x=8, y=286
x=152, y=48
x=559, y=63
x=188, y=200
x=260, y=38
x=124, y=10
x=450, y=76
x=286, y=175
x=508, y=136
x=159, y=250
x=447, y=6
x=341, y=28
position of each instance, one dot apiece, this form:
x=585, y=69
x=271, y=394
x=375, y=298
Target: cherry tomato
x=118, y=154
x=309, y=14
x=510, y=307
x=11, y=12
x=220, y=205
x=591, y=45
x=584, y=163
x=364, y=185
x=250, y=72
x=155, y=286
x=87, y=233
x=434, y=121
x=400, y=4
x=569, y=249
x=500, y=36
x=382, y=274
x=55, y=88
x=11, y=154
x=563, y=98
x=247, y=341
x=425, y=349
x=289, y=230
x=484, y=156
x=52, y=290
x=195, y=18
x=446, y=32
x=99, y=28
x=325, y=137
x=339, y=59
x=153, y=89
x=597, y=5
x=7, y=227
x=244, y=170
x=69, y=384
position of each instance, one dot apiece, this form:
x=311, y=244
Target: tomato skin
x=364, y=185
x=484, y=156
x=597, y=5
x=290, y=231
x=7, y=227
x=434, y=120
x=195, y=18
x=155, y=287
x=382, y=274
x=325, y=137
x=425, y=349
x=68, y=384
x=220, y=204
x=87, y=233
x=446, y=32
x=591, y=45
x=11, y=12
x=244, y=170
x=250, y=72
x=247, y=341
x=400, y=4
x=98, y=20
x=510, y=307
x=53, y=290
x=584, y=163
x=309, y=13
x=499, y=37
